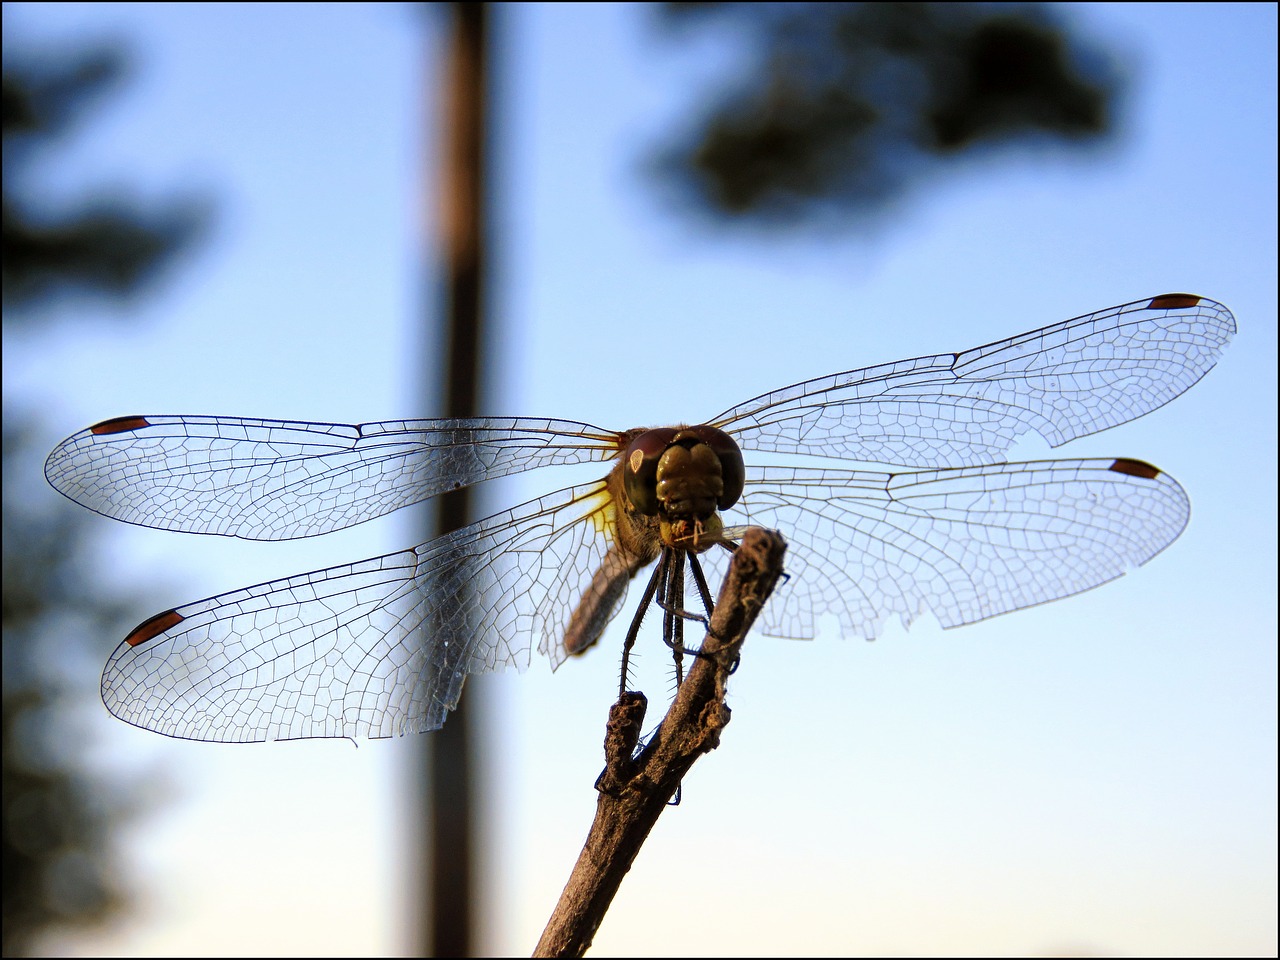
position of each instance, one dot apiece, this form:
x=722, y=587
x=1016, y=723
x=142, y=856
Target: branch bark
x=634, y=792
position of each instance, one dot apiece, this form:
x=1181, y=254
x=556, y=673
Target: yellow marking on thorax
x=603, y=511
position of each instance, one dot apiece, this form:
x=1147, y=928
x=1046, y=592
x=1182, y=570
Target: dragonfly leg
x=675, y=610
x=634, y=630
x=672, y=602
x=701, y=580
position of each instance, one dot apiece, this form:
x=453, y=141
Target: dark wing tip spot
x=150, y=629
x=1136, y=468
x=1174, y=301
x=119, y=425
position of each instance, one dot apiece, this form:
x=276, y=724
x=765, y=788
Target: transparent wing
x=964, y=544
x=370, y=649
x=280, y=479
x=1063, y=381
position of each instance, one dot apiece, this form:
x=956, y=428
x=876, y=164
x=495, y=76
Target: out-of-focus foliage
x=61, y=867
x=844, y=107
x=98, y=245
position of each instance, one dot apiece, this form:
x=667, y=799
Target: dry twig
x=633, y=793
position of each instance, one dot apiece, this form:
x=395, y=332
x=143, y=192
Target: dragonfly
x=382, y=647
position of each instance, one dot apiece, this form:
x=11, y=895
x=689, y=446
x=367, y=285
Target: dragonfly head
x=683, y=473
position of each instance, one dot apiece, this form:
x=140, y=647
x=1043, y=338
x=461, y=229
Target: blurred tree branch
x=61, y=869
x=101, y=246
x=844, y=107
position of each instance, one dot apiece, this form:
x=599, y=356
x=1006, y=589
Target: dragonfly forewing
x=280, y=479
x=1063, y=381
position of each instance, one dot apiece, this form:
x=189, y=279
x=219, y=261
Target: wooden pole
x=449, y=924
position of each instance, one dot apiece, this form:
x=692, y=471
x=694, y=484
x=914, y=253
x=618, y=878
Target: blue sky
x=1094, y=775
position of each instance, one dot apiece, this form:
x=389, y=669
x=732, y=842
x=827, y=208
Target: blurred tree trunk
x=449, y=778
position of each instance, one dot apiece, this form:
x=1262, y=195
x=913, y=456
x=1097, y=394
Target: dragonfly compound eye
x=640, y=476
